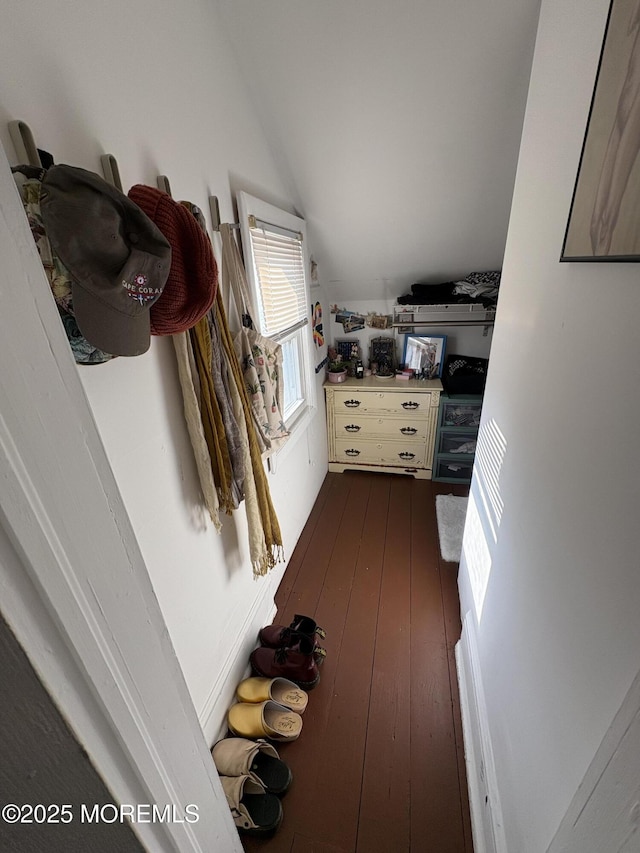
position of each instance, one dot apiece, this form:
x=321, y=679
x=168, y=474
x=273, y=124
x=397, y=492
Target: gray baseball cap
x=116, y=256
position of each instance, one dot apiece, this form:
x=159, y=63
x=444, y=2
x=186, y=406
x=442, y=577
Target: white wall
x=550, y=568
x=399, y=129
x=154, y=83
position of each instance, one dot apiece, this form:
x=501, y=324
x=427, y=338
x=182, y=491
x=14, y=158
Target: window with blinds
x=276, y=262
x=279, y=266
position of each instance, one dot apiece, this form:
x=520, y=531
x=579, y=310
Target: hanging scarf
x=235, y=439
x=260, y=359
x=212, y=422
x=264, y=554
x=193, y=417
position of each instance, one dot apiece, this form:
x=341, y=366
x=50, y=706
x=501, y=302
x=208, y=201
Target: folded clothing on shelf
x=477, y=287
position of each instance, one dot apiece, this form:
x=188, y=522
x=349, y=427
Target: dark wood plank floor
x=379, y=767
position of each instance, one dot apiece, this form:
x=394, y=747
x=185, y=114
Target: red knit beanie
x=193, y=278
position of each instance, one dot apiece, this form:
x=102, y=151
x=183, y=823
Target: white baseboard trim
x=484, y=800
x=235, y=667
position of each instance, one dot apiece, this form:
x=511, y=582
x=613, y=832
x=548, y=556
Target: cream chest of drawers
x=383, y=425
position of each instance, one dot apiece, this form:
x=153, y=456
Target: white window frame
x=250, y=206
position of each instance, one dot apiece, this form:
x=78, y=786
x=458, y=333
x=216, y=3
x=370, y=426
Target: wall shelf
x=410, y=317
x=415, y=324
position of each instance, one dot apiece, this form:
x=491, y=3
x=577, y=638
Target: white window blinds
x=279, y=267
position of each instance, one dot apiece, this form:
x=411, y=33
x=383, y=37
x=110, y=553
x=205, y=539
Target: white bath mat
x=451, y=512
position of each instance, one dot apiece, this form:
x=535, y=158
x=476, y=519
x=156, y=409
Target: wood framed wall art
x=604, y=220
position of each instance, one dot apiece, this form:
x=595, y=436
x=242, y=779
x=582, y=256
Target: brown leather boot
x=297, y=662
x=275, y=636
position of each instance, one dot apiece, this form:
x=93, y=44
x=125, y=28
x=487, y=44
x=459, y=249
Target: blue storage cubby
x=458, y=423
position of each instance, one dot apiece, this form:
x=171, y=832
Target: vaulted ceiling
x=396, y=124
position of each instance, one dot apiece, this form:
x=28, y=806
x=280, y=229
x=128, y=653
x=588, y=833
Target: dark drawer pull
x=407, y=455
x=410, y=405
x=353, y=428
x=352, y=452
x=408, y=430
x=352, y=404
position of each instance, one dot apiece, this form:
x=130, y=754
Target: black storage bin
x=464, y=374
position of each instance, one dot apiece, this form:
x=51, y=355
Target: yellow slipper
x=280, y=690
x=266, y=719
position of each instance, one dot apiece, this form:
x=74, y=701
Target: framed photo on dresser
x=424, y=354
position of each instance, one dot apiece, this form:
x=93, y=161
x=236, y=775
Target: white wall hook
x=164, y=185
x=214, y=207
x=111, y=171
x=24, y=143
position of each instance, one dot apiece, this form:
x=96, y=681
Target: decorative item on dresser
x=382, y=356
x=379, y=424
